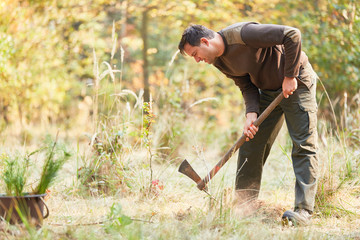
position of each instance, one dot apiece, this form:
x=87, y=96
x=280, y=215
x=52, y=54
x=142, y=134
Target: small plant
x=102, y=171
x=17, y=168
x=15, y=174
x=118, y=219
x=148, y=120
x=56, y=156
x=15, y=208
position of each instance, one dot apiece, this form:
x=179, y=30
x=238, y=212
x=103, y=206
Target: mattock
x=185, y=167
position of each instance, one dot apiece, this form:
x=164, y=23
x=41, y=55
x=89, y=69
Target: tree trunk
x=144, y=35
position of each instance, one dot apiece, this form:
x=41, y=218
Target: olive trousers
x=299, y=112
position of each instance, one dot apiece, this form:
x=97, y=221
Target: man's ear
x=205, y=41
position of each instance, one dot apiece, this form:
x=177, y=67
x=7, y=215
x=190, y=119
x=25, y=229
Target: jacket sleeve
x=269, y=35
x=250, y=93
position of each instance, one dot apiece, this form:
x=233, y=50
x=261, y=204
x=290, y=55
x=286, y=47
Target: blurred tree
x=331, y=31
x=46, y=49
x=51, y=43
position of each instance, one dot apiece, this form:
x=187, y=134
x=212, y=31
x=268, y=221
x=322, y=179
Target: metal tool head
x=186, y=169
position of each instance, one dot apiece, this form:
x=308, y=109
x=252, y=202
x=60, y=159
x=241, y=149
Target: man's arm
x=250, y=93
x=268, y=35
x=251, y=97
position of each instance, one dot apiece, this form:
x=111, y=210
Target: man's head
x=197, y=41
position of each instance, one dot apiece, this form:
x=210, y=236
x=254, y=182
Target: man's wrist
x=251, y=114
x=288, y=78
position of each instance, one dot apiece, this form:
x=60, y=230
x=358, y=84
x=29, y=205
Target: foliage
x=6, y=50
x=329, y=38
x=56, y=156
x=117, y=219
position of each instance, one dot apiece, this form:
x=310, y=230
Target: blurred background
x=72, y=64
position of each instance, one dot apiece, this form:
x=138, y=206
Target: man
x=265, y=60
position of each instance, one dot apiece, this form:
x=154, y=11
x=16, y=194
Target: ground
x=176, y=209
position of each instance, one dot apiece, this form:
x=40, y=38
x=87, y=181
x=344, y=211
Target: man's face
x=204, y=52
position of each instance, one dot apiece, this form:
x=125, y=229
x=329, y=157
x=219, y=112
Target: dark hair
x=193, y=34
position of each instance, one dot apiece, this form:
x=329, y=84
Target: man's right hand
x=289, y=86
x=249, y=129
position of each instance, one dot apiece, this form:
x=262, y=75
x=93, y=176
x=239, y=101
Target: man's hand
x=289, y=86
x=249, y=129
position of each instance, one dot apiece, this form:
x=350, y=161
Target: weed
x=148, y=120
x=104, y=170
x=117, y=218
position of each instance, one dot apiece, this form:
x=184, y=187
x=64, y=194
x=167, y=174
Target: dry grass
x=178, y=210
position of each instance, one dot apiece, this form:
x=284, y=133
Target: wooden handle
x=201, y=185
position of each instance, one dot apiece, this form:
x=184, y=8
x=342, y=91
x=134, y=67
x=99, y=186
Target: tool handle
x=201, y=185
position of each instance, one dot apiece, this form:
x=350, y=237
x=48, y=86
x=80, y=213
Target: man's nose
x=197, y=59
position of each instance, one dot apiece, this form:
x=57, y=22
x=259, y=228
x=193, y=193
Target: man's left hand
x=289, y=86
